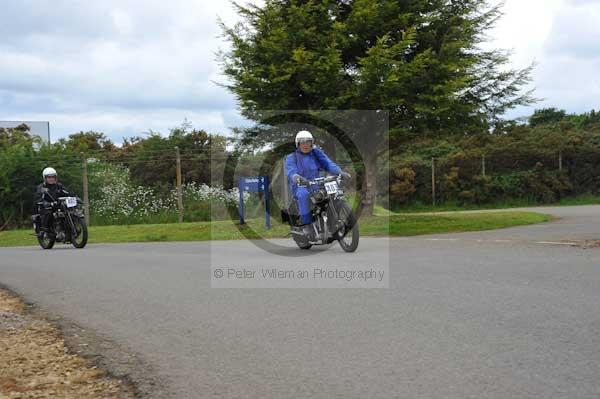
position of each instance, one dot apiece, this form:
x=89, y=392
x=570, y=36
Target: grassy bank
x=394, y=225
x=585, y=199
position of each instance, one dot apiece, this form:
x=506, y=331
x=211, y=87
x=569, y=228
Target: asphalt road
x=513, y=313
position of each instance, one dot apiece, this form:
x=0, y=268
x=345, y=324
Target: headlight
x=319, y=195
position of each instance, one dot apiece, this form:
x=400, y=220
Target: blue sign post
x=259, y=184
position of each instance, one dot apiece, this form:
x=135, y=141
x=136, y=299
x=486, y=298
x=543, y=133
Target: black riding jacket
x=54, y=191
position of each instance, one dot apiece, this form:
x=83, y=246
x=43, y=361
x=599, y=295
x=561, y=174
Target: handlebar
x=64, y=198
x=320, y=180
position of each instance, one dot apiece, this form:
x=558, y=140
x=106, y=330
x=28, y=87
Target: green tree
x=17, y=173
x=420, y=60
x=22, y=158
x=151, y=159
x=585, y=120
x=90, y=142
x=546, y=116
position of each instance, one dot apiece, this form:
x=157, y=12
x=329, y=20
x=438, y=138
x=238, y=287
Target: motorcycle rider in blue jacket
x=303, y=165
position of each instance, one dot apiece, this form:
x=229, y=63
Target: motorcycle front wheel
x=348, y=236
x=45, y=241
x=81, y=233
x=302, y=242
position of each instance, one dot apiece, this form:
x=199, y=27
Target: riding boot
x=308, y=231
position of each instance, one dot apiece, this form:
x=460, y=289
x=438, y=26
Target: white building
x=38, y=128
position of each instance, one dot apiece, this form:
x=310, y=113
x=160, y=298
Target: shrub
x=403, y=184
x=117, y=200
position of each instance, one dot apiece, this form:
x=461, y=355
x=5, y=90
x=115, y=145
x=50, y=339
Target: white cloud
x=102, y=65
x=575, y=32
x=122, y=22
x=524, y=28
x=562, y=37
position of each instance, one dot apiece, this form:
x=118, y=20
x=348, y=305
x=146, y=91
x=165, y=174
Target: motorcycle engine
x=60, y=234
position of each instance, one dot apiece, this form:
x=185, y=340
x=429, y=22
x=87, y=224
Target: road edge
x=120, y=363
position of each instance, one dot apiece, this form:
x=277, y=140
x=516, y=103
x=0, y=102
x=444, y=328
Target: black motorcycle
x=68, y=224
x=332, y=217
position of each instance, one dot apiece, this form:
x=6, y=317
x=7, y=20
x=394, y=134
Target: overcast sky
x=125, y=68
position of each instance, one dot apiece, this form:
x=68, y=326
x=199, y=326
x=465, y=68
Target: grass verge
x=393, y=225
x=583, y=199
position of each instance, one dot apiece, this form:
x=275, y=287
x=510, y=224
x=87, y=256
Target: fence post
x=483, y=164
x=433, y=180
x=284, y=186
x=267, y=205
x=559, y=160
x=241, y=191
x=179, y=190
x=86, y=195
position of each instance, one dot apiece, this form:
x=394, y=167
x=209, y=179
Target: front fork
x=339, y=224
x=72, y=228
x=325, y=228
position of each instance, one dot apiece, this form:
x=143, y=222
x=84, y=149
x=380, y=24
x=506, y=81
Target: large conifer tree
x=420, y=60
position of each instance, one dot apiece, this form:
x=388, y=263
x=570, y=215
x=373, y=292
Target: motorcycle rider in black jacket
x=46, y=196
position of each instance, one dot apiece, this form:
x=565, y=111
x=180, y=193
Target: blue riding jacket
x=308, y=165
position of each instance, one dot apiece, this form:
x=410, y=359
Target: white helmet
x=48, y=172
x=303, y=135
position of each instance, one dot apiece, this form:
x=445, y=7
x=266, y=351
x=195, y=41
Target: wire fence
x=480, y=178
x=182, y=186
x=163, y=186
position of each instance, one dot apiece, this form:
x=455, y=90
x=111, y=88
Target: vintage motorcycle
x=68, y=225
x=332, y=217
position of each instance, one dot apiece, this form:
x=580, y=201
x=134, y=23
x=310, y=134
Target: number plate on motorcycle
x=71, y=202
x=331, y=187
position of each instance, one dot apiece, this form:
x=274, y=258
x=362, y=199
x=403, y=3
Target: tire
x=46, y=242
x=82, y=237
x=345, y=213
x=302, y=242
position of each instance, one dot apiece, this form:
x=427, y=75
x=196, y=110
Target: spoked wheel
x=81, y=238
x=348, y=235
x=46, y=242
